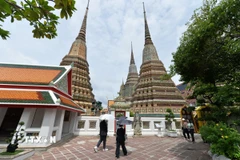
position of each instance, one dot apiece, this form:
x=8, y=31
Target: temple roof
x=31, y=74
x=37, y=99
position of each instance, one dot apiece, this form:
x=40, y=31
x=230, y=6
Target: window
x=92, y=124
x=178, y=124
x=81, y=124
x=156, y=122
x=146, y=125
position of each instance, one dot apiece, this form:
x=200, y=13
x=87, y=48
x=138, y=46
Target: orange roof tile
x=27, y=75
x=20, y=95
x=23, y=97
x=67, y=101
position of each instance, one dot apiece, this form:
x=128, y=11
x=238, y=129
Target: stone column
x=48, y=123
x=60, y=125
x=27, y=117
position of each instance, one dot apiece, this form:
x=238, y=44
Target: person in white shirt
x=185, y=129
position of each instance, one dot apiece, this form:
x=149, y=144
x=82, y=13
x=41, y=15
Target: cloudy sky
x=111, y=26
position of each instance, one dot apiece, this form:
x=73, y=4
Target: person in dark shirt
x=120, y=140
x=190, y=127
x=103, y=136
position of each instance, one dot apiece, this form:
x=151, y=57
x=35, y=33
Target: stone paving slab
x=140, y=148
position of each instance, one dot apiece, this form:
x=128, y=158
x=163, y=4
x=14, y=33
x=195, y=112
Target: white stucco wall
x=87, y=131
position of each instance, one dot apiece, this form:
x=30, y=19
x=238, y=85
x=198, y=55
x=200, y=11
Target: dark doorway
x=10, y=122
x=66, y=123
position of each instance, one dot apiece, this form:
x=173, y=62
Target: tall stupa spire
x=153, y=94
x=148, y=39
x=132, y=61
x=127, y=89
x=82, y=32
x=82, y=90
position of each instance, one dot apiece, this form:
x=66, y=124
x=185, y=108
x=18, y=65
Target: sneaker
x=105, y=149
x=95, y=149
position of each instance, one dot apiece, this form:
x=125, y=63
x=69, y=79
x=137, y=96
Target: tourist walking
x=185, y=129
x=191, y=130
x=120, y=141
x=103, y=136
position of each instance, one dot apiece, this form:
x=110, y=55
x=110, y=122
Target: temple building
x=39, y=96
x=132, y=79
x=154, y=93
x=123, y=101
x=127, y=89
x=81, y=86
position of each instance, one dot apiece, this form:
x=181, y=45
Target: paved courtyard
x=142, y=148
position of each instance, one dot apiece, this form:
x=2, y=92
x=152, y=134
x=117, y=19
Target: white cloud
x=111, y=26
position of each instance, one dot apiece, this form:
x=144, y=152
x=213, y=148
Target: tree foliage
x=41, y=14
x=209, y=52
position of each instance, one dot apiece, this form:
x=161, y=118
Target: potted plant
x=170, y=117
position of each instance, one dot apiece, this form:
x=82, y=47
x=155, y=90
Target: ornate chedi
x=126, y=90
x=154, y=93
x=132, y=79
x=81, y=86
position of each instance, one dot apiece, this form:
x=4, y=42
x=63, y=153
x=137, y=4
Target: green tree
x=96, y=107
x=41, y=14
x=169, y=117
x=209, y=52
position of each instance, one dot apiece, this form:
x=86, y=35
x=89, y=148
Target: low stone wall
x=89, y=125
